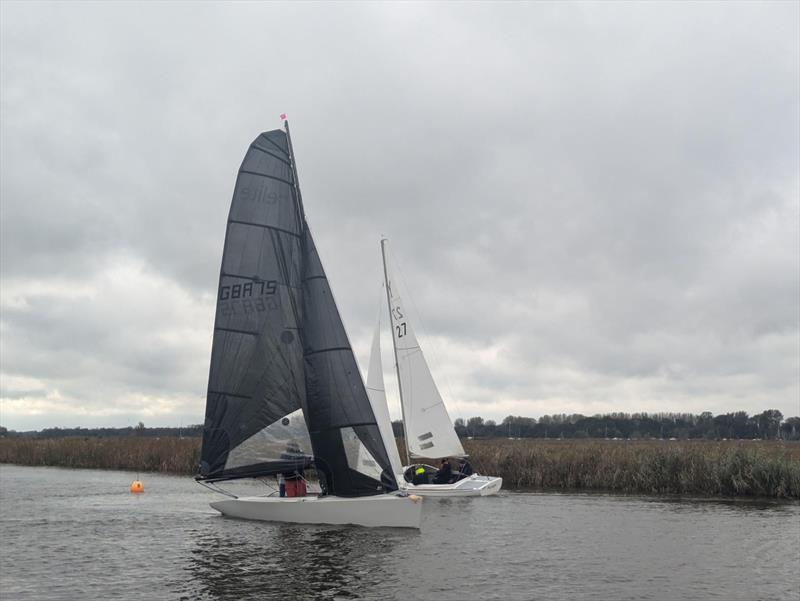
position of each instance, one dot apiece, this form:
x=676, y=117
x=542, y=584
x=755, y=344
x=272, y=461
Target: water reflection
x=242, y=560
x=738, y=505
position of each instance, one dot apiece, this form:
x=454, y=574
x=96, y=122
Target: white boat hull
x=472, y=486
x=387, y=510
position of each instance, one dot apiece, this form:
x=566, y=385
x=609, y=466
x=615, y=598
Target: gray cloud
x=595, y=206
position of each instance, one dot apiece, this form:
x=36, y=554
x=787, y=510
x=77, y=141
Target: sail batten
x=265, y=226
x=269, y=152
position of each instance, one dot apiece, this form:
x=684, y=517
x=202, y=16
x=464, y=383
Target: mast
x=394, y=347
x=296, y=186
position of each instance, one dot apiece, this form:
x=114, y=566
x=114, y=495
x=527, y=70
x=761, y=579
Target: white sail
x=429, y=430
x=377, y=398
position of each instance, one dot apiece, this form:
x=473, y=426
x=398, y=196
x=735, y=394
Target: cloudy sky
x=594, y=206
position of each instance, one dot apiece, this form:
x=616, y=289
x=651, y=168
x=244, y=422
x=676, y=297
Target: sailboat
x=284, y=390
x=429, y=432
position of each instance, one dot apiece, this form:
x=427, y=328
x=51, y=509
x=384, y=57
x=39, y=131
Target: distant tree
x=475, y=426
x=790, y=429
x=139, y=429
x=769, y=423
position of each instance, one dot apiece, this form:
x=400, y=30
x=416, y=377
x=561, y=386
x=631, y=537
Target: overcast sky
x=594, y=206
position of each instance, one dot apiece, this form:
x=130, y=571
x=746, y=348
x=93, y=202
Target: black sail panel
x=256, y=378
x=343, y=429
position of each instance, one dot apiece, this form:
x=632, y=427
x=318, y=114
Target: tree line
x=767, y=425
x=139, y=430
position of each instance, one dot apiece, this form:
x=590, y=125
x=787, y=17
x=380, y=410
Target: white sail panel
x=429, y=430
x=377, y=397
x=285, y=440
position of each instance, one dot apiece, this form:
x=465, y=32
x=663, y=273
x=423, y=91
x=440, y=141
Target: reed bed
x=170, y=455
x=706, y=468
x=703, y=468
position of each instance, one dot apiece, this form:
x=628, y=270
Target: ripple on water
x=104, y=543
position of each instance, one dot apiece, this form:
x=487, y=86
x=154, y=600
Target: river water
x=79, y=534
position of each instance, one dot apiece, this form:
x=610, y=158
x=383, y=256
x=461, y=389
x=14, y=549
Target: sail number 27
x=399, y=328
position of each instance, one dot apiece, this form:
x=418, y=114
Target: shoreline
x=662, y=497
x=719, y=470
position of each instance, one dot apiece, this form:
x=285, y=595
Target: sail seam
x=341, y=427
x=315, y=277
x=249, y=333
x=265, y=226
x=238, y=396
x=276, y=146
x=274, y=156
x=277, y=179
x=327, y=350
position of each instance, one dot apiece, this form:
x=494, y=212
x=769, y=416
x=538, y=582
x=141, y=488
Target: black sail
x=283, y=379
x=340, y=419
x=256, y=379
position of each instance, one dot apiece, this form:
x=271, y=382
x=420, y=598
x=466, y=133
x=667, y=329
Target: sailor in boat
x=464, y=469
x=294, y=479
x=420, y=477
x=445, y=472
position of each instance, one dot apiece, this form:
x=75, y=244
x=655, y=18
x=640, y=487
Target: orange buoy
x=137, y=486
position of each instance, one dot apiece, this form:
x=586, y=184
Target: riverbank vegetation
x=767, y=425
x=169, y=454
x=704, y=468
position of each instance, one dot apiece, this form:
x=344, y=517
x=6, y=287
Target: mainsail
x=429, y=430
x=283, y=381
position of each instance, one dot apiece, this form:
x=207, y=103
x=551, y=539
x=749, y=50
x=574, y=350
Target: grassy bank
x=170, y=455
x=729, y=468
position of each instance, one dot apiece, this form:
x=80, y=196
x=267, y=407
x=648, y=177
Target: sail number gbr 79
x=399, y=328
x=235, y=299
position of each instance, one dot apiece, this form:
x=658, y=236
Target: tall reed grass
x=171, y=455
x=730, y=468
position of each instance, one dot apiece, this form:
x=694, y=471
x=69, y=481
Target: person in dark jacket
x=464, y=469
x=445, y=472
